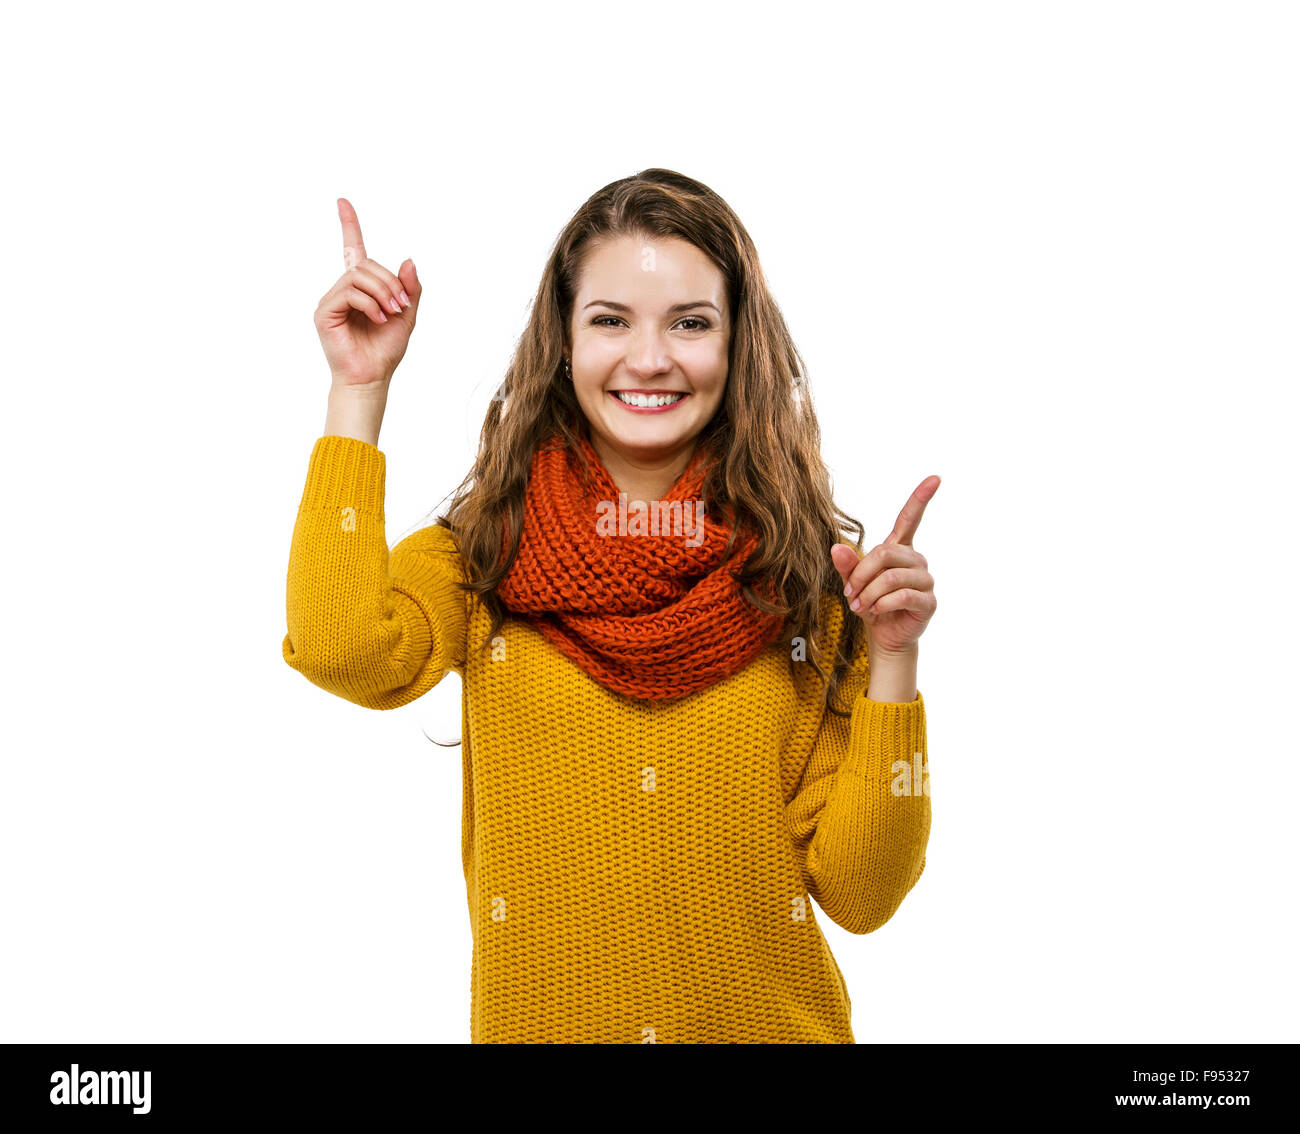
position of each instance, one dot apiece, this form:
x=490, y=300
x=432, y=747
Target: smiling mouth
x=640, y=401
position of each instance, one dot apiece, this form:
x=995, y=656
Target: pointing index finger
x=354, y=251
x=909, y=519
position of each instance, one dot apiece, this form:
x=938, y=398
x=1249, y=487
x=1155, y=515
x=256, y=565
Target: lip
x=648, y=409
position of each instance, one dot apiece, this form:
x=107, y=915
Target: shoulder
x=436, y=543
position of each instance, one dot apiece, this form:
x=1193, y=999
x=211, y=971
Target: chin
x=652, y=432
x=650, y=440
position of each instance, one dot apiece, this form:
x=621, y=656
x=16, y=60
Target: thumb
x=845, y=559
x=410, y=281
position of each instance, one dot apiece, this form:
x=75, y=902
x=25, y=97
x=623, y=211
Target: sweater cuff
x=344, y=472
x=883, y=732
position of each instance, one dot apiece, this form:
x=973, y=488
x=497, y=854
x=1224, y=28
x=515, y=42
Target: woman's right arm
x=376, y=628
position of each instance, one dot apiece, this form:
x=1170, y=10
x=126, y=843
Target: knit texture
x=635, y=871
x=644, y=602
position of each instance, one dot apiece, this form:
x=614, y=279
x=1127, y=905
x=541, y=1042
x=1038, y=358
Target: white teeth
x=648, y=401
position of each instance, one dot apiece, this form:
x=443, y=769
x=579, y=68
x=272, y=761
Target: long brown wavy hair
x=765, y=467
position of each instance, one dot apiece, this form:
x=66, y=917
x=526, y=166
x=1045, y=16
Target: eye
x=599, y=321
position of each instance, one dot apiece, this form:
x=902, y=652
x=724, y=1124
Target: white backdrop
x=1047, y=251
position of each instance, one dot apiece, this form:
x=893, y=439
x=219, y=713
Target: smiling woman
x=671, y=741
x=650, y=378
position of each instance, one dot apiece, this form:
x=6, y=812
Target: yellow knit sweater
x=636, y=873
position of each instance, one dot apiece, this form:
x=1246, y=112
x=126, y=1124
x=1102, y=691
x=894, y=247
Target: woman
x=687, y=706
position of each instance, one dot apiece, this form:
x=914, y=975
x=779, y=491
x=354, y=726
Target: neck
x=644, y=478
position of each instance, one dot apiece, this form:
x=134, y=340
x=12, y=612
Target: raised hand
x=365, y=320
x=890, y=588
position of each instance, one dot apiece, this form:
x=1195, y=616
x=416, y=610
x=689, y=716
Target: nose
x=646, y=355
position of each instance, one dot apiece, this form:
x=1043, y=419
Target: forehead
x=652, y=269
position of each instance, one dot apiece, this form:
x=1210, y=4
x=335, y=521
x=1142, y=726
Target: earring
x=567, y=372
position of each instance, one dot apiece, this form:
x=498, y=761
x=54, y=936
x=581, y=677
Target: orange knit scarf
x=647, y=615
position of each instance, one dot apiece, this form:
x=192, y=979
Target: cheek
x=708, y=370
x=591, y=395
x=715, y=379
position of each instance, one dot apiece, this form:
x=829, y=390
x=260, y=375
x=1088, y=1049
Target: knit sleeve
x=861, y=817
x=376, y=628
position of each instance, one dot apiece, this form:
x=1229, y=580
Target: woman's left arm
x=862, y=816
x=860, y=821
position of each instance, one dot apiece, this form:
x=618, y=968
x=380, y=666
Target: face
x=649, y=319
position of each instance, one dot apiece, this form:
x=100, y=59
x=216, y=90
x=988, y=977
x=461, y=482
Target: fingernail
x=397, y=307
x=406, y=299
x=853, y=605
x=848, y=588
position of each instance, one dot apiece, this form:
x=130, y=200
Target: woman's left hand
x=890, y=588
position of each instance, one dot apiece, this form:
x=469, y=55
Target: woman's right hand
x=365, y=320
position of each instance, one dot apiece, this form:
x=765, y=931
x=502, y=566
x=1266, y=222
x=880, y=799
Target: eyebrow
x=674, y=308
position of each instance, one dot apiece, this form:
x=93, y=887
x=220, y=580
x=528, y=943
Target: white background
x=1047, y=251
